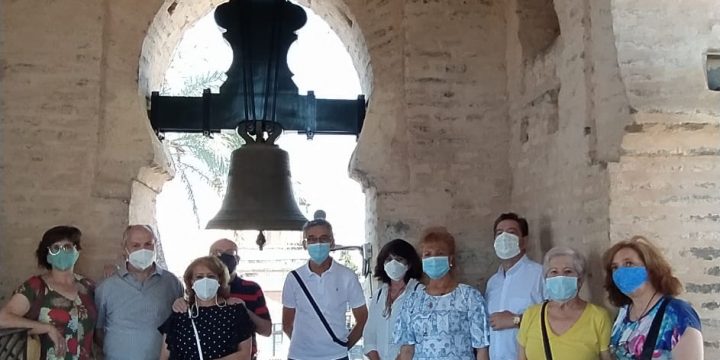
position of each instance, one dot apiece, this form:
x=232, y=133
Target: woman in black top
x=211, y=329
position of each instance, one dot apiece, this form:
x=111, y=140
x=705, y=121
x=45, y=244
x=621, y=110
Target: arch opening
x=317, y=166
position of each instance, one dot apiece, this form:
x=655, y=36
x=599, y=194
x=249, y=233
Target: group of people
x=420, y=311
x=140, y=311
x=530, y=311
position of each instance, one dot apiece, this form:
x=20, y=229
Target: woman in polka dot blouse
x=212, y=328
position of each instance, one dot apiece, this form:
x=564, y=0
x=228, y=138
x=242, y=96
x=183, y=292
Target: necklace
x=644, y=312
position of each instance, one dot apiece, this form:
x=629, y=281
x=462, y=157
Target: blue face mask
x=629, y=278
x=561, y=288
x=63, y=260
x=436, y=267
x=318, y=252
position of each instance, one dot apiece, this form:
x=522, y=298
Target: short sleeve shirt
x=585, y=340
x=74, y=318
x=628, y=337
x=335, y=291
x=252, y=295
x=129, y=312
x=221, y=330
x=445, y=327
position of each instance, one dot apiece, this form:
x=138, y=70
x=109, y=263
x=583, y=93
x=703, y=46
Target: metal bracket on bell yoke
x=253, y=131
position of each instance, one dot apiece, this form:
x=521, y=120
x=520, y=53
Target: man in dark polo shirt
x=247, y=291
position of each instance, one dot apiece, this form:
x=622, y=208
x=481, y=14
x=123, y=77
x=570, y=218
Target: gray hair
x=130, y=228
x=317, y=222
x=577, y=259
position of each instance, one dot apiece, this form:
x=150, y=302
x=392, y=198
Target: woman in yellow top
x=575, y=329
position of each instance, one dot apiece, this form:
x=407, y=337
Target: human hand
x=109, y=270
x=502, y=320
x=235, y=301
x=58, y=341
x=180, y=305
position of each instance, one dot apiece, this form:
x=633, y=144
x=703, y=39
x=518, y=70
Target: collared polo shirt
x=334, y=291
x=130, y=312
x=515, y=290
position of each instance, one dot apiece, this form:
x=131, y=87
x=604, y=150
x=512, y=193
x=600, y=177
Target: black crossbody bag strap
x=317, y=310
x=546, y=340
x=652, y=335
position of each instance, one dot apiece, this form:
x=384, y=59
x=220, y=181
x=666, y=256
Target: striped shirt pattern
x=251, y=293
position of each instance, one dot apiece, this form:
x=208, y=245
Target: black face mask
x=230, y=261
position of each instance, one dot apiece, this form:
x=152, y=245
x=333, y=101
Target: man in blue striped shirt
x=135, y=300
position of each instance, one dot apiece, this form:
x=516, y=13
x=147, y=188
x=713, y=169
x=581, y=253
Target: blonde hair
x=216, y=267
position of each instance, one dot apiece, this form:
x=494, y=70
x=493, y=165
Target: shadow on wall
x=594, y=276
x=546, y=235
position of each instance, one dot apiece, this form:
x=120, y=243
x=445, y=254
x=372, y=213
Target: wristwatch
x=516, y=320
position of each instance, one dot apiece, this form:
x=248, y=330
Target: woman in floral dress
x=447, y=320
x=58, y=305
x=640, y=281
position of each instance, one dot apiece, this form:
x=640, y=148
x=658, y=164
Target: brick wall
x=558, y=182
x=451, y=169
x=666, y=181
x=75, y=132
x=605, y=131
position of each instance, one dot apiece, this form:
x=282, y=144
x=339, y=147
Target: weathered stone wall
x=75, y=132
x=590, y=117
x=454, y=172
x=566, y=101
x=666, y=183
x=614, y=133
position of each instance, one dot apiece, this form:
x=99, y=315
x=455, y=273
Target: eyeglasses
x=54, y=249
x=320, y=239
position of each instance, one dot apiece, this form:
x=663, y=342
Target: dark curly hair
x=52, y=236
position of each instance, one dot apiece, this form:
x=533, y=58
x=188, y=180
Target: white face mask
x=206, y=288
x=141, y=259
x=507, y=245
x=395, y=270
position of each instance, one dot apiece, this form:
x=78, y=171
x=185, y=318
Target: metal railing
x=13, y=344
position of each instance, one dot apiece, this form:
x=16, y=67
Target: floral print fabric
x=73, y=318
x=444, y=327
x=628, y=337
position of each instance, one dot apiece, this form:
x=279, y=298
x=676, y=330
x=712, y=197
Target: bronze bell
x=259, y=195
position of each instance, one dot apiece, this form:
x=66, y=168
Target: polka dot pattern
x=221, y=329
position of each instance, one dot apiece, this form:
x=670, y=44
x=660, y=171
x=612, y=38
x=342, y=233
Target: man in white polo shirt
x=518, y=283
x=333, y=288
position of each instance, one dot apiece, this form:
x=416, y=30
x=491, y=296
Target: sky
x=319, y=165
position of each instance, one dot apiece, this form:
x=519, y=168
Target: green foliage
x=196, y=155
x=205, y=158
x=346, y=260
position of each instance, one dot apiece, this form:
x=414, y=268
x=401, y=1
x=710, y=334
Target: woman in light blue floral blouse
x=447, y=320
